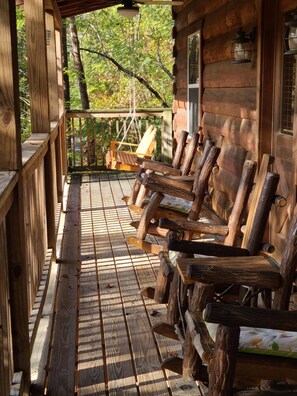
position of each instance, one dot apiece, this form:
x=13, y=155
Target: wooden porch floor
x=101, y=343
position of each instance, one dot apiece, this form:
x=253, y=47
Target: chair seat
x=263, y=341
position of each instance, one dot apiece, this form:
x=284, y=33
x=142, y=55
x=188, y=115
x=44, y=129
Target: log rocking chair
x=191, y=192
x=248, y=344
x=263, y=197
x=180, y=166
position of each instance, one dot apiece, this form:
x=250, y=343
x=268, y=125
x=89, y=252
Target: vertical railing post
x=40, y=72
x=166, y=136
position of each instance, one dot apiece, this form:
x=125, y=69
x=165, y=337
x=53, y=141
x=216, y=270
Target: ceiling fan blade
x=160, y=2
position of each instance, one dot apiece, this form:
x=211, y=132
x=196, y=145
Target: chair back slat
x=240, y=203
x=180, y=148
x=189, y=156
x=201, y=181
x=263, y=191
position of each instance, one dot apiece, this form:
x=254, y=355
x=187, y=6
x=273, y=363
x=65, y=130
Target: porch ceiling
x=75, y=7
x=70, y=8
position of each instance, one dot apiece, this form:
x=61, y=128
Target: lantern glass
x=242, y=47
x=292, y=39
x=242, y=52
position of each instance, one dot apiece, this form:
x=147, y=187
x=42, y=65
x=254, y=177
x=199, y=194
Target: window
x=193, y=82
x=288, y=102
x=288, y=94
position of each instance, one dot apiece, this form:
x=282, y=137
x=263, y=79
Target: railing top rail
x=8, y=180
x=115, y=113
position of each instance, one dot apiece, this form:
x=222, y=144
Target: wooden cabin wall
x=229, y=91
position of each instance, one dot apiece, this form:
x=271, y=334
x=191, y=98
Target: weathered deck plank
x=90, y=361
x=61, y=375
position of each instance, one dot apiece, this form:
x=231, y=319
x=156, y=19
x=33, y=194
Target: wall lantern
x=291, y=36
x=242, y=47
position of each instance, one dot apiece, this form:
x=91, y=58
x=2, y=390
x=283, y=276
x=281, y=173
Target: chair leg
x=135, y=189
x=192, y=362
x=141, y=195
x=172, y=308
x=222, y=370
x=164, y=279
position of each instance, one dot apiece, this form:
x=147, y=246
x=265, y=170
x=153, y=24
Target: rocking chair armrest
x=194, y=226
x=254, y=271
x=234, y=315
x=187, y=179
x=159, y=167
x=173, y=189
x=205, y=248
x=152, y=179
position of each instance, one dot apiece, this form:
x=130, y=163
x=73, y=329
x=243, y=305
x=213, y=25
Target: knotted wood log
x=222, y=370
x=164, y=278
x=147, y=215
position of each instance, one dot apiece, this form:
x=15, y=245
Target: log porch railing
x=28, y=204
x=89, y=133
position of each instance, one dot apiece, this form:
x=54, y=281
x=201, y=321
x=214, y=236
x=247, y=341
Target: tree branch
x=162, y=65
x=129, y=73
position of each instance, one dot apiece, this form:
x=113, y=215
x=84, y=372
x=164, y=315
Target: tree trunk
x=78, y=65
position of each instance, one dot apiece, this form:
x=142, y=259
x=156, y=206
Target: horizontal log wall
x=229, y=91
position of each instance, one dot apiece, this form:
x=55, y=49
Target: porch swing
x=117, y=157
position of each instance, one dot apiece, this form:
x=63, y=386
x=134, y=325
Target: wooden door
x=284, y=130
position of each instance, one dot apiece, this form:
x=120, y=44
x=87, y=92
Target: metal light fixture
x=242, y=47
x=129, y=9
x=291, y=35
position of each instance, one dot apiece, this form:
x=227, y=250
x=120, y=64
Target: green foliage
x=142, y=45
x=137, y=44
x=23, y=76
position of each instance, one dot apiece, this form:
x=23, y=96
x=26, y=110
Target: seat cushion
x=263, y=341
x=173, y=256
x=175, y=203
